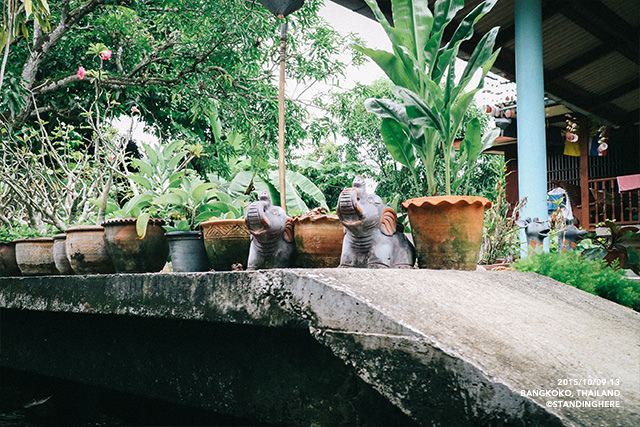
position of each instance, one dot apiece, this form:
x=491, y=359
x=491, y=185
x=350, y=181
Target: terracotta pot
x=60, y=254
x=227, y=243
x=8, y=264
x=86, y=250
x=35, y=256
x=447, y=230
x=129, y=253
x=318, y=237
x=187, y=251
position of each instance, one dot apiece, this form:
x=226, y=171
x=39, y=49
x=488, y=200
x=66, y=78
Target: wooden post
x=281, y=166
x=583, y=138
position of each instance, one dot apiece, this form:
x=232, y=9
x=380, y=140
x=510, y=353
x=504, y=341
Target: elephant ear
x=288, y=231
x=389, y=222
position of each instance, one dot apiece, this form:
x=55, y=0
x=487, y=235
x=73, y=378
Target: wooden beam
x=583, y=134
x=581, y=16
x=577, y=63
x=616, y=92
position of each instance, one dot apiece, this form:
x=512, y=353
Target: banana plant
x=432, y=99
x=296, y=185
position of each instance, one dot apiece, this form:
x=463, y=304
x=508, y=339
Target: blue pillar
x=532, y=152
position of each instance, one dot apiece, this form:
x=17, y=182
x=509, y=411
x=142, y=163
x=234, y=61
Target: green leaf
x=151, y=153
x=413, y=20
x=418, y=111
x=141, y=224
x=392, y=66
x=200, y=191
x=481, y=54
x=144, y=167
x=169, y=199
x=397, y=142
x=139, y=179
x=28, y=7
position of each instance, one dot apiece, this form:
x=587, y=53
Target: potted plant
x=186, y=206
x=226, y=237
x=34, y=252
x=134, y=236
x=620, y=246
x=8, y=264
x=422, y=124
x=318, y=235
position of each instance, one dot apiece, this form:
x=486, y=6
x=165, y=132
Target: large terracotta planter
x=60, y=254
x=187, y=251
x=86, y=250
x=227, y=243
x=8, y=264
x=318, y=239
x=34, y=256
x=129, y=253
x=447, y=230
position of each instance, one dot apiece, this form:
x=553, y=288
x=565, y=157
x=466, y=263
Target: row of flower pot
x=447, y=241
x=115, y=247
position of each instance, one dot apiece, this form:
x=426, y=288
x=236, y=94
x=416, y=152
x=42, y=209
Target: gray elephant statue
x=272, y=244
x=569, y=237
x=535, y=230
x=371, y=235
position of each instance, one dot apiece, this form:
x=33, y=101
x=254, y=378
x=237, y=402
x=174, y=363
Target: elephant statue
x=569, y=237
x=371, y=235
x=272, y=244
x=535, y=230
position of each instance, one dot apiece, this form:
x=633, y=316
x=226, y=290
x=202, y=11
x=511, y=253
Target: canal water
x=28, y=400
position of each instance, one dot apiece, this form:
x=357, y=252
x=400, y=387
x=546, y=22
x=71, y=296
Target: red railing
x=607, y=202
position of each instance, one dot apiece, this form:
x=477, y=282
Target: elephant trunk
x=256, y=222
x=348, y=210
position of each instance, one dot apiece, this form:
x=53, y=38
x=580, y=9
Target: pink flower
x=81, y=73
x=105, y=54
x=572, y=137
x=134, y=109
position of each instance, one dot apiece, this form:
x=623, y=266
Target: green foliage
x=8, y=234
x=246, y=182
x=501, y=237
x=161, y=169
x=432, y=103
x=329, y=168
x=592, y=276
x=195, y=201
x=620, y=243
x=178, y=62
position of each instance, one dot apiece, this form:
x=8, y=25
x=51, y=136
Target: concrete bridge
x=336, y=347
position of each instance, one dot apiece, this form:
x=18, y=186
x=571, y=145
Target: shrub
x=592, y=276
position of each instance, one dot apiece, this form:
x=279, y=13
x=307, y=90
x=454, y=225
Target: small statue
x=372, y=237
x=536, y=231
x=569, y=237
x=271, y=235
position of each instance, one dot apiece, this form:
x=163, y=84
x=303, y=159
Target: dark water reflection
x=28, y=400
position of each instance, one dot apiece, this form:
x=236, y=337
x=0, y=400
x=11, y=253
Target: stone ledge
x=434, y=343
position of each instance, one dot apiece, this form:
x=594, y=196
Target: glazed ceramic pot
x=187, y=251
x=129, y=253
x=447, y=230
x=34, y=256
x=318, y=238
x=60, y=254
x=8, y=264
x=226, y=242
x=86, y=250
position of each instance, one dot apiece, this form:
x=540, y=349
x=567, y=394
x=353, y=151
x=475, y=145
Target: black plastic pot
x=188, y=253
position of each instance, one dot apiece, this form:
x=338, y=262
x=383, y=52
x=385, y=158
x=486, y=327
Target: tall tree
x=179, y=62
